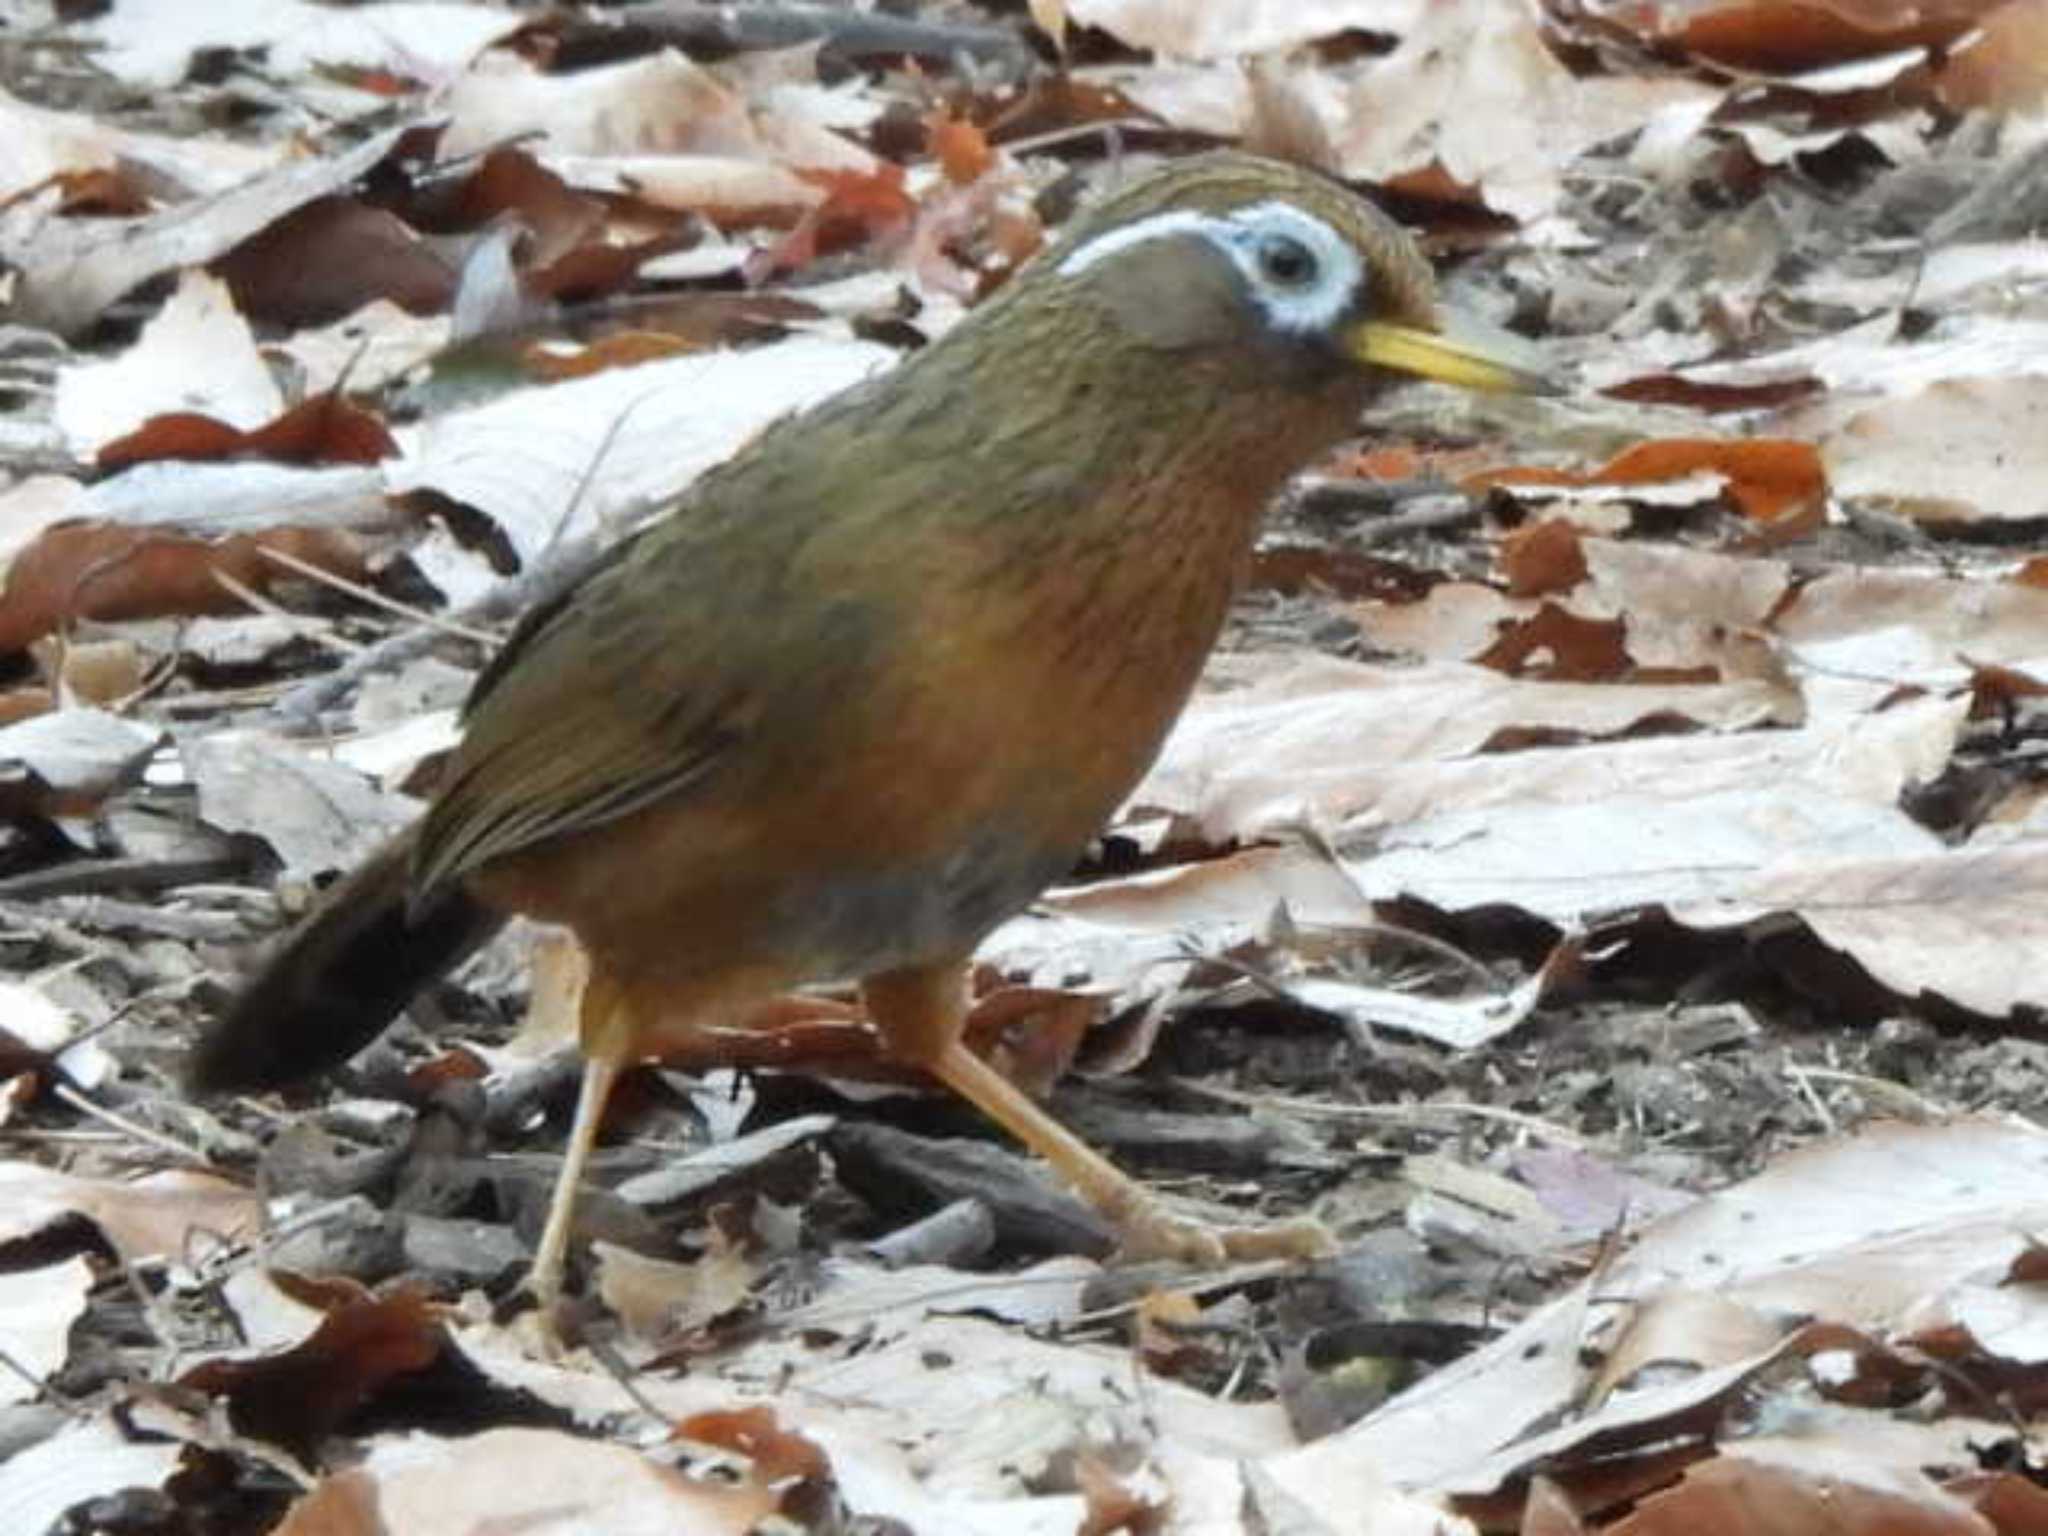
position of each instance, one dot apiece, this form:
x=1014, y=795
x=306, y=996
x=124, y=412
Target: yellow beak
x=1459, y=354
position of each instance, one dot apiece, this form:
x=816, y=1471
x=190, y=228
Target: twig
x=376, y=599
x=1882, y=1089
x=91, y=877
x=300, y=708
x=1330, y=1110
x=306, y=629
x=1821, y=1112
x=142, y=1133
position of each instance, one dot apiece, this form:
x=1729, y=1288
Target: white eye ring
x=1287, y=263
x=1296, y=303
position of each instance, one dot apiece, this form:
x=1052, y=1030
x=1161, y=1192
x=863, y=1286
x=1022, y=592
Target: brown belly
x=796, y=875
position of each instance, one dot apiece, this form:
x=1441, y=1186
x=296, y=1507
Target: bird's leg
x=551, y=1257
x=605, y=1033
x=919, y=1012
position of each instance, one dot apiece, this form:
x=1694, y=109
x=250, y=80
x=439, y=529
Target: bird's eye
x=1286, y=261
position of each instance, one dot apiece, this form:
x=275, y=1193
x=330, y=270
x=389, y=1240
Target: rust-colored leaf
x=326, y=429
x=1776, y=482
x=110, y=571
x=622, y=349
x=1995, y=691
x=1561, y=647
x=1816, y=1492
x=1542, y=557
x=1794, y=36
x=961, y=148
x=297, y=1398
x=1701, y=395
x=1113, y=1506
x=1050, y=103
x=777, y=1453
x=859, y=207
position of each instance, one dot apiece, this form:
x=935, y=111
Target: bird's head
x=1275, y=271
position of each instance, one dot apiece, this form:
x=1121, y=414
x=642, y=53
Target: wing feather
x=564, y=733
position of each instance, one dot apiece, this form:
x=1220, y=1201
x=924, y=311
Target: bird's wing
x=612, y=695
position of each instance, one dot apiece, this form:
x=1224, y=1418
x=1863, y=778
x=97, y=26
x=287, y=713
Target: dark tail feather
x=345, y=973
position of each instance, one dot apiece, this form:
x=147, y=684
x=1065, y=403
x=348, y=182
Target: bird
x=875, y=682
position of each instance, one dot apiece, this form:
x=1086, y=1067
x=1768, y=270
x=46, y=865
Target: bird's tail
x=347, y=971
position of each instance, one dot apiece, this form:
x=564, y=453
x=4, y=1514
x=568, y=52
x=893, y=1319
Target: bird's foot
x=1150, y=1233
x=539, y=1327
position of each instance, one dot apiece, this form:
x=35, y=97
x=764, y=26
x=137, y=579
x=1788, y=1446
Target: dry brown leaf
x=1328, y=740
x=1541, y=557
x=1778, y=482
x=1561, y=647
x=1687, y=1330
x=38, y=145
x=1706, y=825
x=663, y=1303
x=536, y=1482
x=1792, y=36
x=1765, y=1487
x=1960, y=924
x=525, y=459
x=112, y=571
x=71, y=270
x=154, y=45
x=2014, y=1505
x=100, y=672
x=1437, y=103
x=961, y=148
x=1960, y=450
x=331, y=258
x=858, y=208
x=621, y=349
x=175, y=1215
x=1116, y=1504
x=660, y=104
x=1878, y=630
x=323, y=430
x=295, y=1398
x=1860, y=1232
x=776, y=1453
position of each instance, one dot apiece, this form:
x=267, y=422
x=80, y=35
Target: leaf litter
x=1598, y=876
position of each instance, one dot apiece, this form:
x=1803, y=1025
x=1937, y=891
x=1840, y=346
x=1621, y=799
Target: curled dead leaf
x=1776, y=482
x=755, y=1433
x=110, y=571
x=295, y=1398
x=1542, y=557
x=323, y=430
x=1562, y=647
